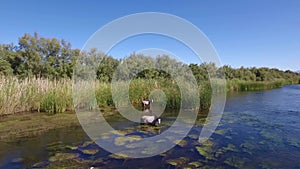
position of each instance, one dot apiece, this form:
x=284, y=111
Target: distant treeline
x=50, y=58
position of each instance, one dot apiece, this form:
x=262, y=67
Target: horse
x=150, y=119
x=146, y=103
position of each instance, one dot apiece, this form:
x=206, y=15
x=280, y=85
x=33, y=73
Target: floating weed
x=248, y=147
x=63, y=156
x=228, y=137
x=206, y=152
x=193, y=136
x=222, y=151
x=230, y=147
x=293, y=141
x=69, y=163
x=71, y=147
x=181, y=143
x=235, y=161
x=119, y=156
x=40, y=164
x=118, y=132
x=262, y=142
x=179, y=162
x=187, y=167
x=219, y=153
x=119, y=141
x=271, y=136
x=151, y=149
x=56, y=146
x=132, y=145
x=90, y=151
x=163, y=154
x=55, y=143
x=105, y=136
x=220, y=132
x=87, y=143
x=195, y=164
x=161, y=141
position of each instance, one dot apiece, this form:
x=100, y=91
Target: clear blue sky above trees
x=245, y=33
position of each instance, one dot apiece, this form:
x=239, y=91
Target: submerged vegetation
x=36, y=76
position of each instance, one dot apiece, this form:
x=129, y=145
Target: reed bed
x=240, y=85
x=55, y=96
x=34, y=94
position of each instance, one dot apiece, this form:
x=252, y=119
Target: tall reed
x=34, y=94
x=55, y=96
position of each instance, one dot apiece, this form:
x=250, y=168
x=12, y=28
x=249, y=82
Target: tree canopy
x=36, y=56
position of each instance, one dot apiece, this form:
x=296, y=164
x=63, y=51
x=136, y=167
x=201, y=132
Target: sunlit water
x=257, y=130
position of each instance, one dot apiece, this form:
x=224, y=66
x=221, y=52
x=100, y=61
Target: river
x=257, y=130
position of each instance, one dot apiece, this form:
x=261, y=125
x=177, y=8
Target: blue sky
x=245, y=33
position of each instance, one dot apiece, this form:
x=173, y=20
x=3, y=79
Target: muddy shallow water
x=257, y=130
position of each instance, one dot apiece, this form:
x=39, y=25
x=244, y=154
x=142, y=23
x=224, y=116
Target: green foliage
x=5, y=68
